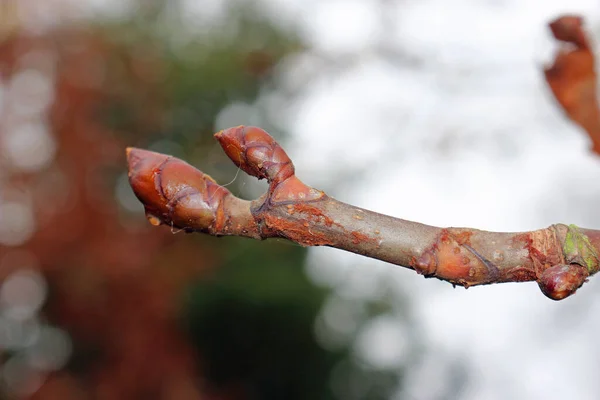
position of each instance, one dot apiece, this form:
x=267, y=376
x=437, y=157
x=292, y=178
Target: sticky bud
x=173, y=192
x=561, y=281
x=256, y=153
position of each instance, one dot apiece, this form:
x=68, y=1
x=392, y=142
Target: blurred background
x=423, y=109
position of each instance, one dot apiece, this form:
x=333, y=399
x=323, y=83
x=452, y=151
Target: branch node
x=578, y=249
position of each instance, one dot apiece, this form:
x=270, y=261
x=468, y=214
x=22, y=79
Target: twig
x=559, y=258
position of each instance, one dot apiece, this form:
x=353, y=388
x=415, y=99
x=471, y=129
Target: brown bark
x=559, y=258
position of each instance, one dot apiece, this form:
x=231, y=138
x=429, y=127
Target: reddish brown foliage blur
x=109, y=287
x=572, y=77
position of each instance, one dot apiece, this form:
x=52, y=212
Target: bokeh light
x=22, y=294
x=17, y=223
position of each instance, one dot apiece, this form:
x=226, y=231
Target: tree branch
x=559, y=258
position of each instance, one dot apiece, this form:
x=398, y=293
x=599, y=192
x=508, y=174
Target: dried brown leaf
x=572, y=77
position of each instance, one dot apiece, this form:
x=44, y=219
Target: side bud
x=561, y=281
x=255, y=152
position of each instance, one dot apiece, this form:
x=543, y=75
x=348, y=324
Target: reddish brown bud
x=256, y=153
x=173, y=192
x=142, y=166
x=561, y=281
